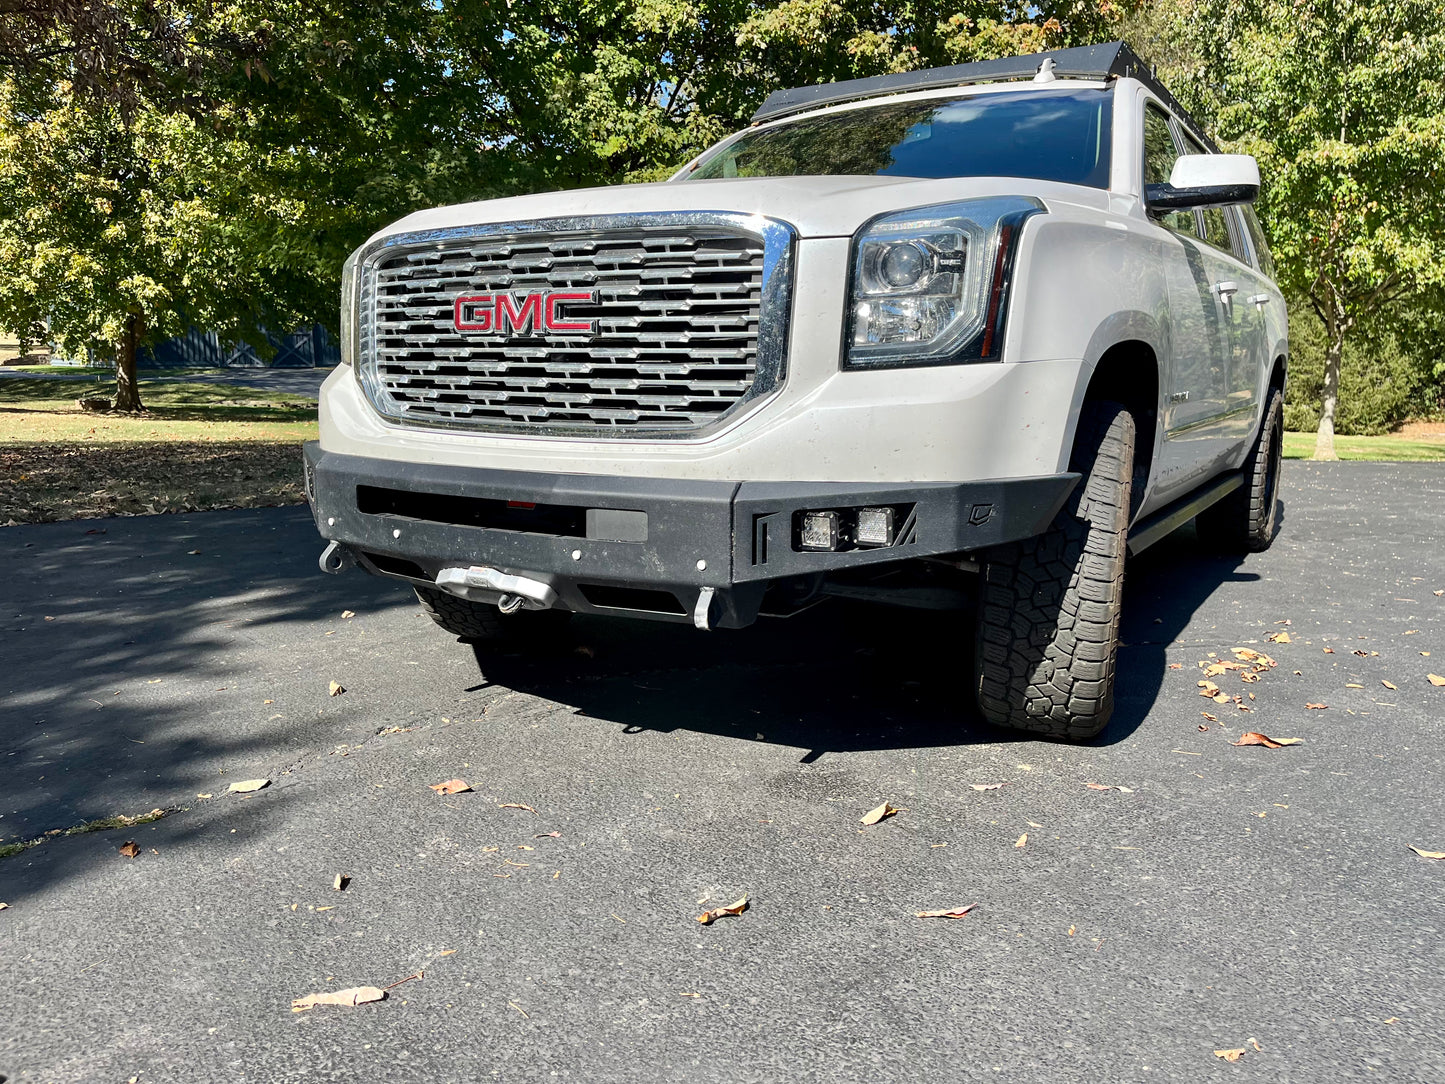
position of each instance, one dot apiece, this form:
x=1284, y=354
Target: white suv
x=973, y=330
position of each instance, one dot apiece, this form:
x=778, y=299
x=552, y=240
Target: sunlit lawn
x=1388, y=447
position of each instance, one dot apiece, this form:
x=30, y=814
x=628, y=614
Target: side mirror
x=1206, y=180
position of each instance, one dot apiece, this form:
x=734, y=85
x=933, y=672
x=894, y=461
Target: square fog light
x=819, y=531
x=875, y=527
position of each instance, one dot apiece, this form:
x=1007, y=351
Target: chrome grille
x=690, y=319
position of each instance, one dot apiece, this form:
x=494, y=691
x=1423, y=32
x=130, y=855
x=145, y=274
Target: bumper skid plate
x=695, y=551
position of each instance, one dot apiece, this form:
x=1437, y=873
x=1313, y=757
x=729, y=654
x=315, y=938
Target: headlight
x=350, y=308
x=929, y=284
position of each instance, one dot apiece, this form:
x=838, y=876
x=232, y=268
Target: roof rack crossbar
x=1112, y=61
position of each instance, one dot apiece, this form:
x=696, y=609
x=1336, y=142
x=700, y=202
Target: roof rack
x=1112, y=61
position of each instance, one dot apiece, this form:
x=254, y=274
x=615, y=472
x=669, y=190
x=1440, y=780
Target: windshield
x=1047, y=135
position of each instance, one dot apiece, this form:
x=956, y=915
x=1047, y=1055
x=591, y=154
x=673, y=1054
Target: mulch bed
x=42, y=483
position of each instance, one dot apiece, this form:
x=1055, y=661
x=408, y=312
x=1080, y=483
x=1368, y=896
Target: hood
x=814, y=206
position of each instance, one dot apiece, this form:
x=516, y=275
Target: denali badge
x=510, y=314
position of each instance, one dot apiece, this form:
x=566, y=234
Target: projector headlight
x=929, y=284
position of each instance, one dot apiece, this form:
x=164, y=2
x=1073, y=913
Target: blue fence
x=305, y=349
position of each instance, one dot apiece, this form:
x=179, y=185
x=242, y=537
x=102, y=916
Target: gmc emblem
x=508, y=314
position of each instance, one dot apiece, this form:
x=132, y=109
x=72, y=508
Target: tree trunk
x=127, y=389
x=1325, y=438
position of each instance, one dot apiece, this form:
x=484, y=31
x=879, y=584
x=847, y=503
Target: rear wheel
x=480, y=622
x=1048, y=616
x=1248, y=518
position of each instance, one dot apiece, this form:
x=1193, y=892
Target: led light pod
x=874, y=527
x=819, y=531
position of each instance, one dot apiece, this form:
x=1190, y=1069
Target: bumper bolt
x=702, y=566
x=576, y=555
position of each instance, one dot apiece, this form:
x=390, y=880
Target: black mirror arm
x=1165, y=197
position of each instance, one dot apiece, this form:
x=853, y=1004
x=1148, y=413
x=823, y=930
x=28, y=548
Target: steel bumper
x=645, y=546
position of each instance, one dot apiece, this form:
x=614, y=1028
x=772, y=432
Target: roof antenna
x=1046, y=71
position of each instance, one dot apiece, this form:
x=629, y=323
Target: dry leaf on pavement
x=988, y=786
x=342, y=880
x=357, y=995
x=1022, y=840
x=336, y=688
x=1426, y=854
x=1230, y=1055
x=515, y=805
x=1436, y=680
x=1317, y=707
x=1388, y=684
x=3, y=906
x=1106, y=786
x=1280, y=637
x=129, y=849
x=1254, y=737
x=708, y=917
x=873, y=816
x=1207, y=688
x=948, y=912
x=451, y=786
x=246, y=786
x=347, y=613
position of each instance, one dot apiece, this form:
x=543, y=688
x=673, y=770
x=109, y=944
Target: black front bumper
x=646, y=546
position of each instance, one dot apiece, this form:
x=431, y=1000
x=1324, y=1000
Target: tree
x=166, y=165
x=1343, y=103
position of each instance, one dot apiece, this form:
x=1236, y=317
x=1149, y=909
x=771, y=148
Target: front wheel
x=1048, y=615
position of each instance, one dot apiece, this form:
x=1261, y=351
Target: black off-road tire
x=479, y=622
x=1247, y=519
x=1048, y=615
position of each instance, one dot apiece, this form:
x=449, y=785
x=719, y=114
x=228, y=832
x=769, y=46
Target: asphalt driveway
x=1229, y=899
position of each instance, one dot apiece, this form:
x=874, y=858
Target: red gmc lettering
x=507, y=314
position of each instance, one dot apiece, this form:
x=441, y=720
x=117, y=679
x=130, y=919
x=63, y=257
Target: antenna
x=1046, y=71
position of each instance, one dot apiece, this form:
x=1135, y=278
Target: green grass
x=1386, y=448
x=38, y=409
x=103, y=824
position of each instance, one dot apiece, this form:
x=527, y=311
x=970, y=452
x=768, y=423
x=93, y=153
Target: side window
x=1216, y=225
x=1256, y=237
x=1159, y=155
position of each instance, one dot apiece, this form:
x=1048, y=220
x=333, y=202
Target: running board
x=1158, y=524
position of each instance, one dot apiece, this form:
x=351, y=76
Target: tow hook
x=510, y=593
x=336, y=558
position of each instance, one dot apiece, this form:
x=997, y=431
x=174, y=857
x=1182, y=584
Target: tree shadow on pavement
x=146, y=656
x=842, y=677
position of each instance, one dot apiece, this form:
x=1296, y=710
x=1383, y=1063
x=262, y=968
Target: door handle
x=1226, y=290
x=1259, y=299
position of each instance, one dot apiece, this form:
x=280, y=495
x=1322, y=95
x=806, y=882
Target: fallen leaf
x=246, y=786
x=1426, y=854
x=1353, y=685
x=1207, y=688
x=1436, y=680
x=1211, y=718
x=1328, y=650
x=347, y=613
x=524, y=847
x=548, y=835
x=336, y=688
x=1222, y=698
x=873, y=816
x=451, y=786
x=513, y=805
x=342, y=880
x=1022, y=840
x=1176, y=666
x=988, y=786
x=202, y=795
x=193, y=553
x=1388, y=684
x=1230, y=1055
x=948, y=912
x=356, y=995
x=1317, y=707
x=129, y=849
x=1106, y=786
x=1071, y=931
x=708, y=917
x=1280, y=637
x=1254, y=737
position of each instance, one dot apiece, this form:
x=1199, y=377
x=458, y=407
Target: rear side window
x=1256, y=238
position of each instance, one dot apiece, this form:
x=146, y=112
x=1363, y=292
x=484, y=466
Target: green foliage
x=1343, y=104
x=1383, y=381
